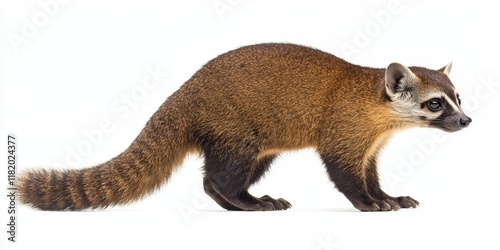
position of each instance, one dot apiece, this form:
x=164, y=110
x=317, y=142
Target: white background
x=79, y=61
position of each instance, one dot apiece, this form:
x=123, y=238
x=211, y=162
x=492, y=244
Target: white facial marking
x=452, y=103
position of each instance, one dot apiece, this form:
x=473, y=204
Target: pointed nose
x=464, y=121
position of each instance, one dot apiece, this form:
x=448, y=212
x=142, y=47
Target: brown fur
x=240, y=110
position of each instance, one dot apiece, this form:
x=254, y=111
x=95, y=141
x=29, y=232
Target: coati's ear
x=399, y=80
x=446, y=69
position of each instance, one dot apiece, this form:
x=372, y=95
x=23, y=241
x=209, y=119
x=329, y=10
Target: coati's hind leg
x=209, y=189
x=373, y=186
x=262, y=166
x=228, y=176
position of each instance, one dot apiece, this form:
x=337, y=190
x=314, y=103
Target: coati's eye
x=435, y=104
x=459, y=101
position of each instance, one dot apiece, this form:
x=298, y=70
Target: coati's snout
x=452, y=123
x=464, y=121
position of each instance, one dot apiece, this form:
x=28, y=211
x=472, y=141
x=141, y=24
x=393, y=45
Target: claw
x=394, y=205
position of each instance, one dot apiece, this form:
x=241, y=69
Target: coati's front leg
x=350, y=181
x=373, y=186
x=360, y=185
x=228, y=176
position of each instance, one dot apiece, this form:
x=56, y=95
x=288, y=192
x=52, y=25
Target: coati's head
x=423, y=97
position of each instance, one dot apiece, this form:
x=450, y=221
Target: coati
x=245, y=107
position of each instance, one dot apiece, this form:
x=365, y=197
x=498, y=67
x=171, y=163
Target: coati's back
x=245, y=107
x=279, y=90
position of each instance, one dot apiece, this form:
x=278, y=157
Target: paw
x=277, y=204
x=397, y=203
x=406, y=202
x=259, y=206
x=379, y=205
x=387, y=204
x=393, y=204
